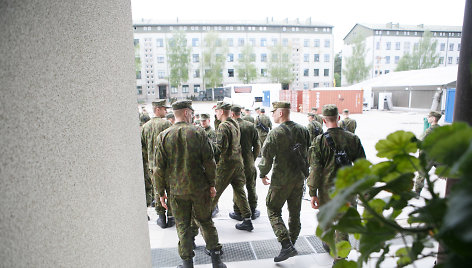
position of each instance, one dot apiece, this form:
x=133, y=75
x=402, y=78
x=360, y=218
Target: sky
x=342, y=14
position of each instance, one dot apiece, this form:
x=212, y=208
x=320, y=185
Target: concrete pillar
x=71, y=179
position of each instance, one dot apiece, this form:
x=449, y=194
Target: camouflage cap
x=178, y=105
x=159, y=103
x=236, y=108
x=280, y=104
x=205, y=116
x=314, y=109
x=330, y=110
x=262, y=110
x=435, y=114
x=170, y=115
x=257, y=108
x=222, y=106
x=346, y=111
x=311, y=114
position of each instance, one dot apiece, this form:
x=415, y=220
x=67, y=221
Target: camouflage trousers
x=275, y=200
x=251, y=177
x=262, y=137
x=188, y=208
x=159, y=208
x=149, y=190
x=232, y=173
x=419, y=183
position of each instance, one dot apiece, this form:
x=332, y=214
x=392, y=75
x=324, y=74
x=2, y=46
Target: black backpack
x=297, y=156
x=340, y=156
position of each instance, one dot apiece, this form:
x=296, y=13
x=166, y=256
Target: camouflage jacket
x=227, y=146
x=428, y=131
x=315, y=129
x=248, y=118
x=250, y=144
x=184, y=160
x=276, y=151
x=211, y=134
x=143, y=118
x=319, y=119
x=322, y=161
x=149, y=134
x=264, y=120
x=348, y=124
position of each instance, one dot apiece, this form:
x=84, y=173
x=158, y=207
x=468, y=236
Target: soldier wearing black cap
x=323, y=159
x=149, y=135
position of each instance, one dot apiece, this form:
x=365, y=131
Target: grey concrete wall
x=72, y=190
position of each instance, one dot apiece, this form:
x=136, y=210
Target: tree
x=337, y=69
x=214, y=58
x=178, y=56
x=424, y=55
x=356, y=68
x=280, y=65
x=385, y=193
x=137, y=59
x=247, y=71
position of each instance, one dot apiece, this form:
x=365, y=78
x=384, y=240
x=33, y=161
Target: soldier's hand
x=315, y=202
x=212, y=192
x=265, y=181
x=163, y=201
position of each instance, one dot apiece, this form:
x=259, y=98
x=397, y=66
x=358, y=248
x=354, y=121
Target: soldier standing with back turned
x=287, y=179
x=263, y=125
x=347, y=123
x=185, y=164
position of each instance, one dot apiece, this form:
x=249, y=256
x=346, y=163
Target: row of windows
x=262, y=42
x=231, y=28
x=378, y=60
x=407, y=33
x=406, y=46
x=315, y=85
x=316, y=72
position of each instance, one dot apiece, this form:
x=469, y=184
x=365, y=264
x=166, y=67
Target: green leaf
x=406, y=163
x=350, y=222
x=376, y=204
x=348, y=175
x=345, y=264
x=432, y=213
x=402, y=184
x=464, y=163
x=377, y=234
x=343, y=248
x=404, y=258
x=397, y=143
x=382, y=257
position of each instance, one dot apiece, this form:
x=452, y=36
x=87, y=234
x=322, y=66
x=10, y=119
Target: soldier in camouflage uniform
x=205, y=123
x=347, y=123
x=143, y=116
x=248, y=116
x=433, y=119
x=230, y=168
x=185, y=164
x=323, y=167
x=263, y=125
x=196, y=120
x=250, y=147
x=171, y=118
x=317, y=117
x=149, y=143
x=287, y=180
x=314, y=127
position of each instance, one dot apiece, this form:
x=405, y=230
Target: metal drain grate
x=165, y=257
x=316, y=243
x=266, y=249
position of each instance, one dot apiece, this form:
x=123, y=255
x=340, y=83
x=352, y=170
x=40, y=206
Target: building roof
x=440, y=76
x=267, y=22
x=404, y=27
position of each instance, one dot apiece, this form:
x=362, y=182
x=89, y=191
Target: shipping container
x=296, y=100
x=344, y=99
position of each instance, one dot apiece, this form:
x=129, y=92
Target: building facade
x=387, y=43
x=311, y=46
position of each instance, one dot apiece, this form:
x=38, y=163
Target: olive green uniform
x=315, y=129
x=264, y=120
x=250, y=148
x=348, y=124
x=186, y=165
x=230, y=168
x=248, y=118
x=319, y=119
x=286, y=181
x=149, y=143
x=211, y=134
x=419, y=180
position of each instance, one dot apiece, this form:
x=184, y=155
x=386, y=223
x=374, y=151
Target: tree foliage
x=337, y=69
x=356, y=69
x=280, y=65
x=385, y=192
x=214, y=58
x=178, y=55
x=424, y=55
x=246, y=68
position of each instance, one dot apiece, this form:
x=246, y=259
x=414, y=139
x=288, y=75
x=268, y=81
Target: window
x=138, y=75
x=195, y=42
x=263, y=57
x=306, y=57
x=317, y=43
x=160, y=42
x=327, y=43
x=285, y=42
x=305, y=72
x=459, y=47
x=317, y=58
x=389, y=45
x=449, y=60
x=387, y=71
x=315, y=85
x=140, y=90
x=173, y=90
x=387, y=60
x=160, y=59
x=230, y=72
x=397, y=58
x=377, y=45
x=442, y=47
x=406, y=46
x=397, y=45
x=457, y=60
x=451, y=47
x=263, y=72
x=441, y=60
x=326, y=72
x=252, y=42
x=275, y=57
x=274, y=41
x=195, y=58
x=229, y=41
x=240, y=57
x=316, y=72
x=196, y=73
x=305, y=85
x=306, y=42
x=230, y=57
x=241, y=42
x=196, y=88
x=326, y=84
x=185, y=89
x=326, y=57
x=161, y=74
x=263, y=42
x=415, y=46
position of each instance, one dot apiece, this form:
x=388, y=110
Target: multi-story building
x=387, y=43
x=311, y=47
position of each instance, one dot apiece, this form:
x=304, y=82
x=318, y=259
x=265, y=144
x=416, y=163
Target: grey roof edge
x=289, y=23
x=406, y=27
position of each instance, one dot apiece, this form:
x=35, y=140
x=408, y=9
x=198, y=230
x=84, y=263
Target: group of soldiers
x=188, y=166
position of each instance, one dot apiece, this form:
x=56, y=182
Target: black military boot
x=236, y=216
x=246, y=225
x=170, y=221
x=161, y=221
x=255, y=214
x=216, y=259
x=186, y=264
x=286, y=252
x=208, y=252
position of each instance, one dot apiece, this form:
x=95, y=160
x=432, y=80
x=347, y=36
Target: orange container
x=344, y=99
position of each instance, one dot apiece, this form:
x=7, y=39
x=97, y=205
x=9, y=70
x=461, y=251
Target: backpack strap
x=330, y=141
